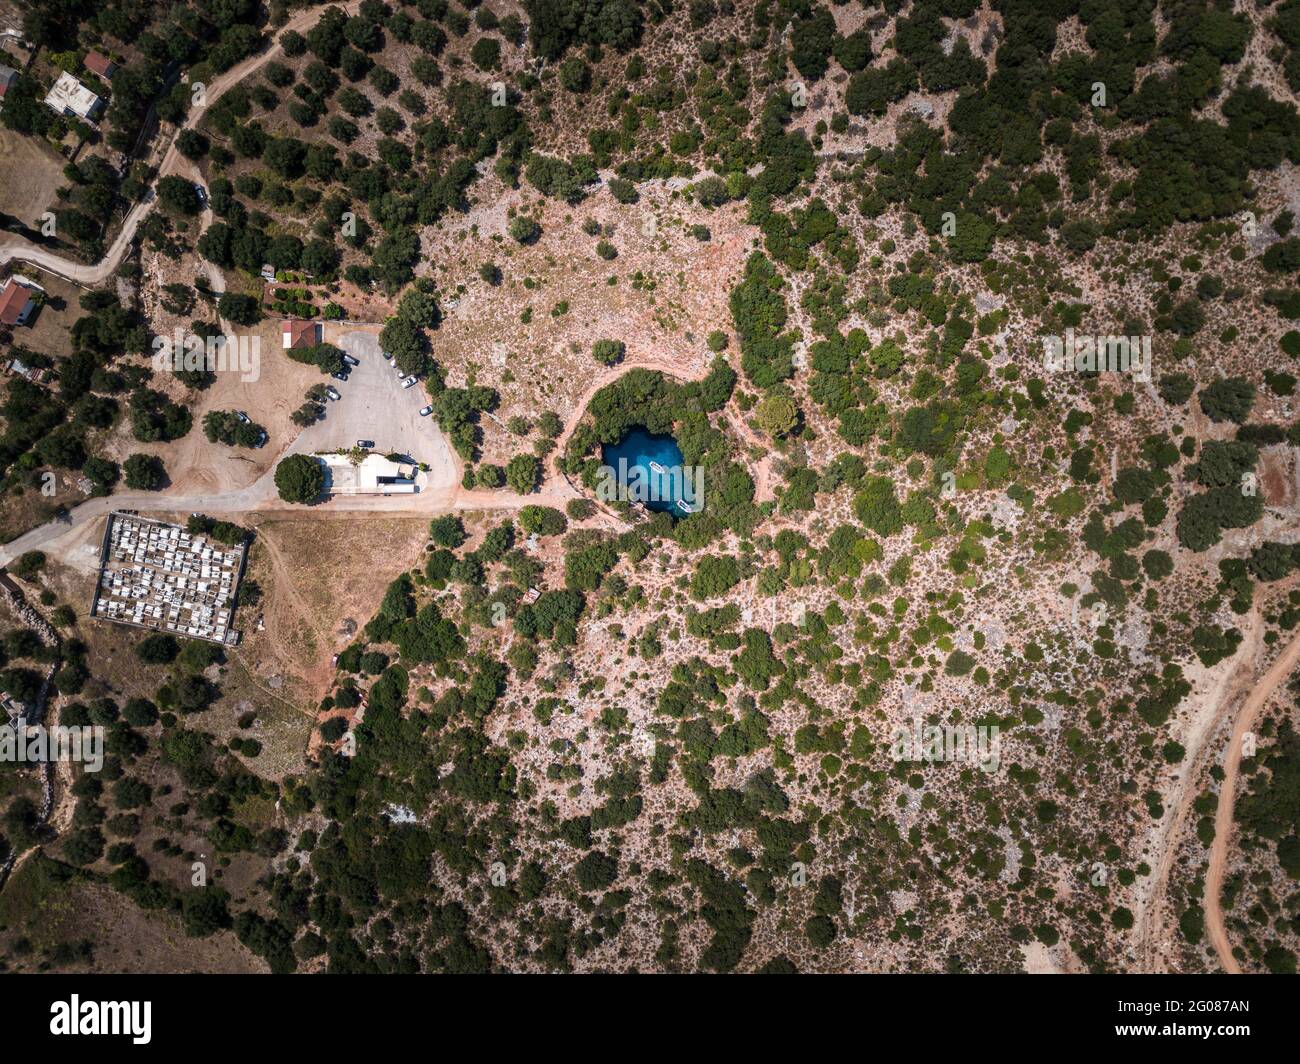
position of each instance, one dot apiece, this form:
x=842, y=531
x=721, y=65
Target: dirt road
x=442, y=493
x=1285, y=664
x=1206, y=708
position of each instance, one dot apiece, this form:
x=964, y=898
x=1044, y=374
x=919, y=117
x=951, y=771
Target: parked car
x=340, y=376
x=351, y=361
x=426, y=411
x=329, y=390
x=261, y=438
x=202, y=194
x=388, y=355
x=244, y=418
x=365, y=445
x=408, y=382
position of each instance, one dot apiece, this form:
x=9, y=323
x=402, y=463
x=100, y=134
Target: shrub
x=27, y=565
x=524, y=229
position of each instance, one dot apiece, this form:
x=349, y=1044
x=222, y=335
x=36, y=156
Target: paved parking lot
x=375, y=406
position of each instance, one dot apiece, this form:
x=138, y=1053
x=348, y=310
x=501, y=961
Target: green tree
x=158, y=649
x=777, y=415
x=144, y=472
x=300, y=478
x=522, y=473
x=1228, y=399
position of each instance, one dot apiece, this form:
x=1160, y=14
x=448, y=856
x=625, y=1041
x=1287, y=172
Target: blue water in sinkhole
x=631, y=459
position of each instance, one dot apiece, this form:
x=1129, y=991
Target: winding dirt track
x=1204, y=716
x=1287, y=661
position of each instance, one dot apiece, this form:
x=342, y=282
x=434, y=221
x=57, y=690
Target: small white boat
x=685, y=507
x=655, y=467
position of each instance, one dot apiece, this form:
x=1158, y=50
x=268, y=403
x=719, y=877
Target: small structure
x=299, y=333
x=71, y=98
x=14, y=710
x=17, y=302
x=373, y=475
x=268, y=272
x=8, y=76
x=101, y=65
x=20, y=369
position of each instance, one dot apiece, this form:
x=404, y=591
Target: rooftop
x=100, y=64
x=299, y=333
x=69, y=96
x=374, y=475
x=14, y=298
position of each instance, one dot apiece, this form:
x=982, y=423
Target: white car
x=408, y=382
x=427, y=411
x=329, y=390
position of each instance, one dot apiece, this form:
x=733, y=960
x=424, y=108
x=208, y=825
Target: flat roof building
x=373, y=475
x=71, y=98
x=8, y=75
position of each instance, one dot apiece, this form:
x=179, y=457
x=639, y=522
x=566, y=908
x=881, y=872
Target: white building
x=71, y=98
x=373, y=475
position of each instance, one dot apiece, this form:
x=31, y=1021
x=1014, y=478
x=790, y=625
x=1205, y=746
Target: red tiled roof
x=300, y=333
x=13, y=299
x=101, y=65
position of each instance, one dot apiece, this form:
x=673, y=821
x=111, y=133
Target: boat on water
x=685, y=507
x=655, y=467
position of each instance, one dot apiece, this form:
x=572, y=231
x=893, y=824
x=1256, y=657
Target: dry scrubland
x=987, y=608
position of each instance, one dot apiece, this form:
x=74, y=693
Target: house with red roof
x=101, y=65
x=16, y=303
x=298, y=333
